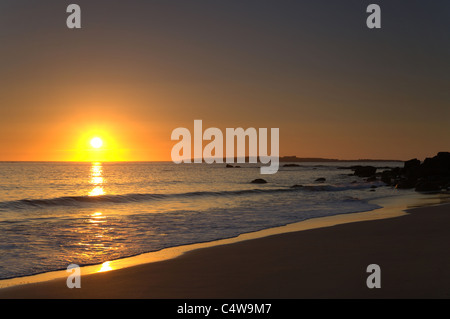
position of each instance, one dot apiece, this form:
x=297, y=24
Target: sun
x=96, y=142
x=98, y=145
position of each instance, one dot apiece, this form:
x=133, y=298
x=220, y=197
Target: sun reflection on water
x=96, y=191
x=97, y=217
x=97, y=179
x=97, y=240
x=97, y=237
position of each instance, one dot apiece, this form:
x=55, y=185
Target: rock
x=395, y=172
x=386, y=177
x=259, y=181
x=296, y=186
x=436, y=166
x=428, y=186
x=372, y=179
x=432, y=175
x=411, y=169
x=291, y=165
x=320, y=180
x=365, y=171
x=229, y=166
x=412, y=164
x=405, y=184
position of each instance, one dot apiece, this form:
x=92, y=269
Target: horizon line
x=285, y=158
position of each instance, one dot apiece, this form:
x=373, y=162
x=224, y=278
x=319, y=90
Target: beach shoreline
x=53, y=285
x=388, y=207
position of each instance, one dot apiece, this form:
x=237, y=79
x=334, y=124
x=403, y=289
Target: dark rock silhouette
x=411, y=164
x=259, y=181
x=405, y=183
x=364, y=171
x=432, y=175
x=386, y=177
x=436, y=166
x=320, y=180
x=428, y=186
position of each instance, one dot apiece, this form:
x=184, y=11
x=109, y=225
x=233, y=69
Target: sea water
x=53, y=214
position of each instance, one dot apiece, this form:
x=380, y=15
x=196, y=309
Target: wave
x=134, y=198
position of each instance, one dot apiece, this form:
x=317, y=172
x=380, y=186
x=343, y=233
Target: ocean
x=53, y=214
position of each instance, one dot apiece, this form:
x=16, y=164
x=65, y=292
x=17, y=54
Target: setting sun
x=96, y=142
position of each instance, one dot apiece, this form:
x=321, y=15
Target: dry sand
x=412, y=251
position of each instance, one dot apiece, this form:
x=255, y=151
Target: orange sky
x=136, y=71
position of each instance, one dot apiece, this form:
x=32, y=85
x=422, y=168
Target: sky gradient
x=139, y=69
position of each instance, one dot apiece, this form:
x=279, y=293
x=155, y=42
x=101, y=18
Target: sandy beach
x=330, y=262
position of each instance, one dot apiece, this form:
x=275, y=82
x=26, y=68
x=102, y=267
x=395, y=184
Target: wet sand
x=412, y=251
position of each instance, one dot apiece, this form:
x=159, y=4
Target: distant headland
x=295, y=159
x=318, y=159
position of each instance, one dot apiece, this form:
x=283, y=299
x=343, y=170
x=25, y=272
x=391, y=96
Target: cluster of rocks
x=431, y=175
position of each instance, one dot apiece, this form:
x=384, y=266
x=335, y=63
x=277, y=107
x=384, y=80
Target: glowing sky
x=139, y=69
